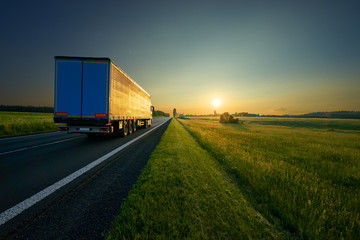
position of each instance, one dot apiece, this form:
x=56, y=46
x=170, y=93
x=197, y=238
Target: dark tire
x=135, y=125
x=125, y=128
x=131, y=127
x=146, y=123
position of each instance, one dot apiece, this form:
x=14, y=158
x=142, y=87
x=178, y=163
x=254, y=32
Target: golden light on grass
x=216, y=102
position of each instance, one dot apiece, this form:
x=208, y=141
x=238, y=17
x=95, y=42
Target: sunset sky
x=266, y=57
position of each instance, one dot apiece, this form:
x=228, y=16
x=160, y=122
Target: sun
x=216, y=102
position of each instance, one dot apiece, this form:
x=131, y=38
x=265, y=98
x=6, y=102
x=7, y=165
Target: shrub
x=227, y=118
x=182, y=116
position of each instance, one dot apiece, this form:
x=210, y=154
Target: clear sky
x=267, y=57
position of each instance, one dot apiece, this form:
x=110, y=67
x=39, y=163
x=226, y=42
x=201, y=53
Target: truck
x=95, y=97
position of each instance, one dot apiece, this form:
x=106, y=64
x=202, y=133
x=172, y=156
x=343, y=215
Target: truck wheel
x=131, y=127
x=146, y=124
x=125, y=128
x=135, y=121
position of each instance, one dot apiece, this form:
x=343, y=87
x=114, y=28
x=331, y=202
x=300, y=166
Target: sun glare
x=216, y=102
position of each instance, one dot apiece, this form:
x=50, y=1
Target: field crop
x=184, y=193
x=304, y=173
x=18, y=123
x=309, y=123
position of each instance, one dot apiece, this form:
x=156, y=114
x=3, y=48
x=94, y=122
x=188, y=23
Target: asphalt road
x=82, y=208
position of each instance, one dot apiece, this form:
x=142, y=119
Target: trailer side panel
x=127, y=99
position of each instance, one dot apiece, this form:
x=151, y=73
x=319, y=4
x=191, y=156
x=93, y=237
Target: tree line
x=158, y=113
x=335, y=114
x=19, y=108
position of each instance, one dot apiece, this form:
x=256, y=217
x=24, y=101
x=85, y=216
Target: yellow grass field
x=19, y=123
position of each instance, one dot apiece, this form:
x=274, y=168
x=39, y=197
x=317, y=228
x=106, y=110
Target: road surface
x=60, y=186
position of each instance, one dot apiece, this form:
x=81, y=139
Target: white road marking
x=41, y=145
x=31, y=135
x=27, y=203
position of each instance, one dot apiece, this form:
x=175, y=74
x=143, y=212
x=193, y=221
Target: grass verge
x=19, y=123
x=184, y=193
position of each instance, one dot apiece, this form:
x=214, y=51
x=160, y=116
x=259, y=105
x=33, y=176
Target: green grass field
x=304, y=172
x=264, y=178
x=19, y=123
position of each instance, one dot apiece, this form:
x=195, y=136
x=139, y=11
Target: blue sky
x=255, y=56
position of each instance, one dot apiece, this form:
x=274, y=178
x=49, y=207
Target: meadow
x=19, y=123
x=265, y=178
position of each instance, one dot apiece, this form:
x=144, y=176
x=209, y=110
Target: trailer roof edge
x=84, y=58
x=104, y=58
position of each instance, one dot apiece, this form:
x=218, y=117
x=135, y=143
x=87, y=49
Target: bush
x=227, y=118
x=182, y=116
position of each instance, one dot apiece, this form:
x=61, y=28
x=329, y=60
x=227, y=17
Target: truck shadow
x=101, y=138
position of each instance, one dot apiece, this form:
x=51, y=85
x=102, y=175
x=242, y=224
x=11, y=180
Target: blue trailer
x=94, y=96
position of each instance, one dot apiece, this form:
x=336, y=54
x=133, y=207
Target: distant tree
x=215, y=114
x=227, y=118
x=174, y=112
